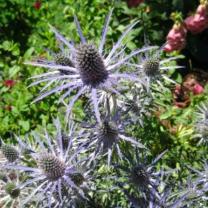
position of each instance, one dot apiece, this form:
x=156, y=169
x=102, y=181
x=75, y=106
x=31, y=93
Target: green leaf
x=25, y=125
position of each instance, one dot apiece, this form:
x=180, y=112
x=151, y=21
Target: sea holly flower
x=9, y=153
x=195, y=189
x=151, y=68
x=93, y=71
x=147, y=182
x=135, y=106
x=53, y=165
x=104, y=139
x=141, y=175
x=10, y=194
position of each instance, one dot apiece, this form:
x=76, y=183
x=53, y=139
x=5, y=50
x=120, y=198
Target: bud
x=63, y=60
x=10, y=189
x=198, y=89
x=9, y=83
x=65, y=141
x=151, y=67
x=77, y=178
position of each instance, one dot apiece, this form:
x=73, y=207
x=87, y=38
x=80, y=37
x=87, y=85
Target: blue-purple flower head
x=151, y=68
x=89, y=70
x=142, y=175
x=9, y=153
x=135, y=106
x=105, y=139
x=10, y=193
x=55, y=165
x=152, y=187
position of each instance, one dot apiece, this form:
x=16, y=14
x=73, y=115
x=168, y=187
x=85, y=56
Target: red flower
x=9, y=83
x=176, y=38
x=134, y=3
x=199, y=21
x=37, y=5
x=198, y=89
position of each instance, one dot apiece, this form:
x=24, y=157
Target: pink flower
x=37, y=5
x=134, y=3
x=198, y=89
x=9, y=83
x=199, y=21
x=176, y=38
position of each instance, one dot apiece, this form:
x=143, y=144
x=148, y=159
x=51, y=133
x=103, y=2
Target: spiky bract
x=108, y=134
x=201, y=122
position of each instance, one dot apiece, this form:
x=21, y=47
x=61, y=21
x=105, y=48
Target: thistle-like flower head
x=135, y=106
x=93, y=71
x=142, y=176
x=152, y=187
x=90, y=65
x=151, y=67
x=103, y=139
x=10, y=153
x=52, y=166
x=62, y=59
x=55, y=166
x=11, y=195
x=139, y=176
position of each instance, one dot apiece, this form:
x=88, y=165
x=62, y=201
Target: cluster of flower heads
x=59, y=169
x=96, y=73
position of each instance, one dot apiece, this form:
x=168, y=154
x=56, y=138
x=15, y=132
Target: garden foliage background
x=25, y=34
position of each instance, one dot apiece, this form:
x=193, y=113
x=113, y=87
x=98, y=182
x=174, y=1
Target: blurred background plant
x=25, y=34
